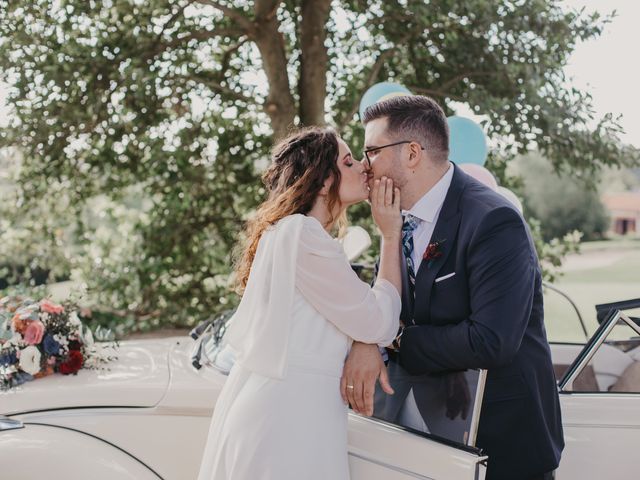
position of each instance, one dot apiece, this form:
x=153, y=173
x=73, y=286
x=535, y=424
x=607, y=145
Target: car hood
x=137, y=378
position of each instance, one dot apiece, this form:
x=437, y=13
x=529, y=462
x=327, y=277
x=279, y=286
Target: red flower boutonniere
x=433, y=250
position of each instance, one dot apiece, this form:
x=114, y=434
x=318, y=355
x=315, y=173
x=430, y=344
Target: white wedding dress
x=280, y=415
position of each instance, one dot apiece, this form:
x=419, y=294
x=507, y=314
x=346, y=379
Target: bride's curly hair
x=300, y=165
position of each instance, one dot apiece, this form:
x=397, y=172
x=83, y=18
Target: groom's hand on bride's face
x=362, y=368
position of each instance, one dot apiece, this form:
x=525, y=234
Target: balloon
x=512, y=197
x=481, y=174
x=380, y=91
x=391, y=95
x=467, y=141
x=355, y=242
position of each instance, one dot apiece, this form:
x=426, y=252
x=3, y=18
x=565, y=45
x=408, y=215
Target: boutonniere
x=433, y=250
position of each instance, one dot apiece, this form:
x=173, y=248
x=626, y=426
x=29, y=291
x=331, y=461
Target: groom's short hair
x=417, y=118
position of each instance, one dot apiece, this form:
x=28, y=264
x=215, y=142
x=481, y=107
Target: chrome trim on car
x=575, y=307
x=429, y=436
x=100, y=439
x=477, y=405
x=7, y=423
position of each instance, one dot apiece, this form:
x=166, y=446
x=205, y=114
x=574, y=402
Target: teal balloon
x=467, y=141
x=379, y=90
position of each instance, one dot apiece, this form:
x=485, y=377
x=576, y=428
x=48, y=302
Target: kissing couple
x=308, y=333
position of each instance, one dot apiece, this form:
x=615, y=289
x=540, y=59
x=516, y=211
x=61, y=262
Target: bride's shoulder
x=316, y=240
x=303, y=222
x=291, y=223
x=312, y=236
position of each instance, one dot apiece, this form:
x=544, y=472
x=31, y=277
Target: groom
x=473, y=296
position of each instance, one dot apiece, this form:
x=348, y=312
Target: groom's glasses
x=373, y=151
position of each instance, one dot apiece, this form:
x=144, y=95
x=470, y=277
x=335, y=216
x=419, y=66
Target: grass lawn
x=604, y=272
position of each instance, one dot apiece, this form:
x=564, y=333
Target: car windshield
x=211, y=350
x=446, y=406
x=562, y=318
x=611, y=361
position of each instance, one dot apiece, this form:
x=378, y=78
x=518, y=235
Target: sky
x=608, y=68
x=605, y=67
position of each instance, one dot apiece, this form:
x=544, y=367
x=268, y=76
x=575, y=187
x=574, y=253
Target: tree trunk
x=280, y=105
x=314, y=61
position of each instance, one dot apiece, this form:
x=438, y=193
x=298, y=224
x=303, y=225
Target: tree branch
x=312, y=85
x=375, y=70
x=266, y=9
x=217, y=87
x=173, y=18
x=226, y=56
x=436, y=93
x=239, y=17
x=161, y=47
x=452, y=81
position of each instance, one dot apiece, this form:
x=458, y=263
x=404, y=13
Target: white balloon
x=355, y=242
x=512, y=197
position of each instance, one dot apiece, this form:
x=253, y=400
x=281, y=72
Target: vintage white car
x=148, y=417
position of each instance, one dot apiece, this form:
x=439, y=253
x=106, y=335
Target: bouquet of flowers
x=38, y=338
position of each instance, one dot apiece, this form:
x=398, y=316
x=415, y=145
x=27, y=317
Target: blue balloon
x=379, y=90
x=467, y=141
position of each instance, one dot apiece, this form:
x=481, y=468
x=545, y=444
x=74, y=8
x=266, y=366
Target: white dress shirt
x=427, y=209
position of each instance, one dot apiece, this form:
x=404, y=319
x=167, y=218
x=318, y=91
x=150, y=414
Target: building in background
x=624, y=209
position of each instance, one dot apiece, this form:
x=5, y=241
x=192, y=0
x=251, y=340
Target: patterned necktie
x=409, y=225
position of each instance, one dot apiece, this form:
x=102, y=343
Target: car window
x=446, y=406
x=610, y=362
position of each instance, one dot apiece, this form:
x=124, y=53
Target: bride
x=280, y=415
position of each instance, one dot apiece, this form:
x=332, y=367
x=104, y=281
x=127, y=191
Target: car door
x=398, y=448
x=600, y=399
x=426, y=429
x=380, y=450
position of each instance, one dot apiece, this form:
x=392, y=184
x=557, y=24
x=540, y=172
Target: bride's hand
x=385, y=208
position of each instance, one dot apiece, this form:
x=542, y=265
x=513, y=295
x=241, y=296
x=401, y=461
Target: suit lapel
x=445, y=232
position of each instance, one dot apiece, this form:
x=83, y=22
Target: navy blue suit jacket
x=489, y=315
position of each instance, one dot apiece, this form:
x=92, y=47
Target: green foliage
x=143, y=126
x=36, y=243
x=552, y=253
x=561, y=202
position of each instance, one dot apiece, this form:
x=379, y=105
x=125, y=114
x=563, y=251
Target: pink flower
x=51, y=307
x=33, y=333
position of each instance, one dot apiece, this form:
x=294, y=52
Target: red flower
x=433, y=250
x=73, y=363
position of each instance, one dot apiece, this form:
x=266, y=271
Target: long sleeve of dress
x=325, y=278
